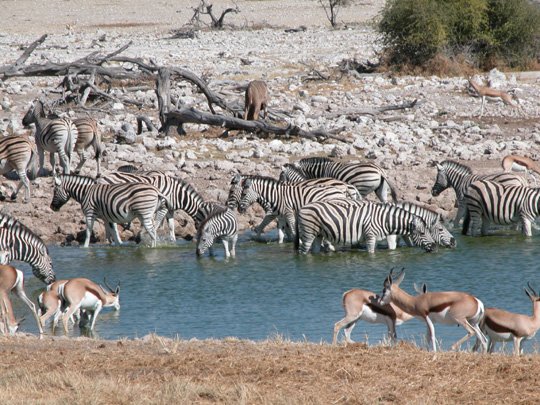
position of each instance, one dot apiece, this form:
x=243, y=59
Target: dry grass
x=159, y=370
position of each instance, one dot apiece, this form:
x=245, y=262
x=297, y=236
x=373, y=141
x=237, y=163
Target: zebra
x=219, y=225
x=345, y=221
x=460, y=177
x=58, y=135
x=115, y=204
x=292, y=174
x=88, y=135
x=25, y=246
x=488, y=201
x=439, y=232
x=285, y=199
x=366, y=177
x=19, y=153
x=180, y=195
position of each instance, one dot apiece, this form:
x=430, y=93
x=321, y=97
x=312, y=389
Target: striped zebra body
x=439, y=232
x=488, y=201
x=460, y=177
x=88, y=135
x=344, y=221
x=58, y=135
x=366, y=177
x=114, y=204
x=291, y=174
x=219, y=226
x=180, y=195
x=18, y=153
x=25, y=246
x=286, y=199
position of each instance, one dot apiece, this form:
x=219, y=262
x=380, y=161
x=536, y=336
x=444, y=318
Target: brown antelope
x=84, y=294
x=50, y=303
x=12, y=280
x=256, y=100
x=448, y=307
x=484, y=92
x=520, y=164
x=504, y=326
x=361, y=305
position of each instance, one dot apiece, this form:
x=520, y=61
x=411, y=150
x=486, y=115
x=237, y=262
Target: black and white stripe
x=285, y=199
x=25, y=246
x=88, y=135
x=219, y=226
x=58, y=135
x=18, y=153
x=460, y=177
x=366, y=177
x=119, y=203
x=488, y=201
x=350, y=222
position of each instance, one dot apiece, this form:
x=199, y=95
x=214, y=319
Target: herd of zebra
x=318, y=203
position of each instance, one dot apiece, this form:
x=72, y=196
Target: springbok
x=518, y=163
x=50, y=303
x=361, y=305
x=84, y=294
x=12, y=280
x=504, y=326
x=448, y=307
x=256, y=100
x=484, y=92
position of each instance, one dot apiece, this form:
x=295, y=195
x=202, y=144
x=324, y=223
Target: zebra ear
x=57, y=180
x=438, y=166
x=247, y=183
x=236, y=179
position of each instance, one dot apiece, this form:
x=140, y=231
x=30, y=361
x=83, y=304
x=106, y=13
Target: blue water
x=268, y=290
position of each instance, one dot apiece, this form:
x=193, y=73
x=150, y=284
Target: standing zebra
x=440, y=234
x=18, y=153
x=488, y=201
x=366, y=177
x=114, y=204
x=58, y=135
x=284, y=199
x=180, y=195
x=292, y=174
x=25, y=246
x=459, y=177
x=343, y=221
x=219, y=225
x=88, y=135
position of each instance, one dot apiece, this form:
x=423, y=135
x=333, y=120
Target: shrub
x=415, y=31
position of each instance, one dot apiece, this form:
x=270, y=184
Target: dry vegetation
x=156, y=370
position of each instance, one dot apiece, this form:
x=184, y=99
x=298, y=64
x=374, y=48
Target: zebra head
x=235, y=192
x=249, y=195
x=421, y=234
x=60, y=196
x=43, y=268
x=441, y=234
x=35, y=110
x=205, y=239
x=441, y=183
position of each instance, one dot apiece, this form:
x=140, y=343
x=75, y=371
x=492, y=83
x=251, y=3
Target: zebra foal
x=18, y=153
x=88, y=135
x=350, y=222
x=58, y=135
x=459, y=177
x=114, y=204
x=488, y=201
x=219, y=226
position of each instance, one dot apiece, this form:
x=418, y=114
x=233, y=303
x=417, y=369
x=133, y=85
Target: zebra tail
x=69, y=142
x=296, y=235
x=98, y=146
x=33, y=165
x=392, y=189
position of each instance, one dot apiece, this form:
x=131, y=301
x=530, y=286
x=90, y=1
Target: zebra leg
x=461, y=212
x=382, y=191
x=266, y=220
x=64, y=160
x=52, y=161
x=233, y=245
x=82, y=160
x=226, y=247
x=527, y=231
x=89, y=227
x=24, y=181
x=112, y=230
x=485, y=226
x=392, y=242
x=316, y=246
x=371, y=242
x=41, y=154
x=149, y=226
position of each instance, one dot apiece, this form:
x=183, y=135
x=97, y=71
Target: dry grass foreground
x=156, y=370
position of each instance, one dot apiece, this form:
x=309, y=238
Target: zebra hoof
x=2, y=197
x=13, y=196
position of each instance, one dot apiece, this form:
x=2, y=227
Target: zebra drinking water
x=18, y=153
x=459, y=177
x=58, y=135
x=219, y=226
x=118, y=203
x=25, y=246
x=366, y=177
x=343, y=221
x=88, y=135
x=488, y=201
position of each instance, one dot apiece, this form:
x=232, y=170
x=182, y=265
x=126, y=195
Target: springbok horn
x=107, y=285
x=532, y=289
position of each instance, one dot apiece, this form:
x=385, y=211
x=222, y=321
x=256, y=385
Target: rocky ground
x=443, y=125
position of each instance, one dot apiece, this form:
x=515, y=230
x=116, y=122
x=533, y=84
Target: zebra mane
x=9, y=223
x=315, y=160
x=258, y=177
x=77, y=176
x=452, y=164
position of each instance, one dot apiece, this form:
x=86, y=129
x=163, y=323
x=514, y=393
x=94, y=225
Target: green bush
x=488, y=31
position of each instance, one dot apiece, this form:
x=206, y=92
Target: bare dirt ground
x=155, y=370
